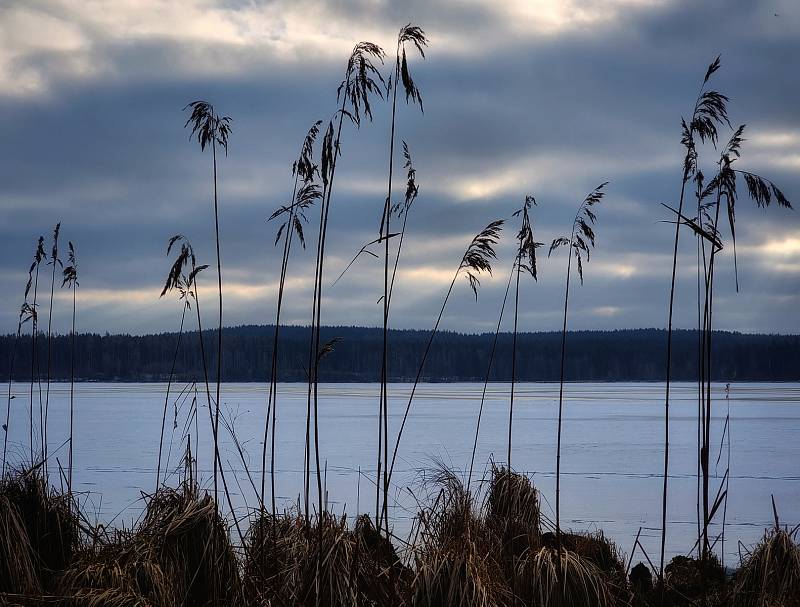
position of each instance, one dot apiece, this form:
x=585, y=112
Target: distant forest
x=624, y=355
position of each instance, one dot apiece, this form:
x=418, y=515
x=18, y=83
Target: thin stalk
x=561, y=404
x=486, y=378
x=54, y=260
x=217, y=463
x=317, y=313
x=12, y=358
x=383, y=412
x=71, y=392
x=211, y=416
x=166, y=396
x=514, y=356
x=34, y=357
x=273, y=380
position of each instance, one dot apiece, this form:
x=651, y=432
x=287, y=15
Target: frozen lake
x=611, y=461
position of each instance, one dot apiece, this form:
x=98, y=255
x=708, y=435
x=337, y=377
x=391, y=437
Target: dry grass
x=42, y=525
x=17, y=571
x=545, y=578
x=770, y=576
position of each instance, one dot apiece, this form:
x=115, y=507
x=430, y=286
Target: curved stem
x=561, y=402
x=486, y=378
x=166, y=396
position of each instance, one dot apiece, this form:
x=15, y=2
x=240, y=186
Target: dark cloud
x=510, y=108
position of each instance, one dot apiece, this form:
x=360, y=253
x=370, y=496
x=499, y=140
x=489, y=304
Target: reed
x=177, y=279
x=579, y=243
x=25, y=314
x=54, y=261
x=304, y=194
x=70, y=280
x=33, y=280
x=710, y=111
x=408, y=35
x=211, y=129
x=525, y=260
x=477, y=259
x=361, y=82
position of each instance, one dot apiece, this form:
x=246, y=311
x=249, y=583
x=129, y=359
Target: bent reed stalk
x=579, y=243
x=302, y=169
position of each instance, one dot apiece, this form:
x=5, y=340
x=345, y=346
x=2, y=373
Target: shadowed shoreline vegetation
x=623, y=355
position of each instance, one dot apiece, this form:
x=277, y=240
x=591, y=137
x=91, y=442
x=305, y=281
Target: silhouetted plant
x=25, y=314
x=710, y=110
x=188, y=288
x=525, y=260
x=579, y=243
x=304, y=194
x=723, y=186
x=70, y=280
x=476, y=260
x=210, y=128
x=175, y=280
x=409, y=34
x=54, y=261
x=33, y=280
x=362, y=80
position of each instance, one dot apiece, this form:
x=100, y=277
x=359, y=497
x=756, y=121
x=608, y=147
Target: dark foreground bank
x=486, y=549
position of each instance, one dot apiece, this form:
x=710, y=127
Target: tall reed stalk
x=211, y=128
x=184, y=308
x=409, y=34
x=70, y=280
x=303, y=171
x=709, y=111
x=188, y=286
x=525, y=260
x=579, y=243
x=54, y=261
x=33, y=279
x=25, y=314
x=362, y=80
x=476, y=260
x=489, y=370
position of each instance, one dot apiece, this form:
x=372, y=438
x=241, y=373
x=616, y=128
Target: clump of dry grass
x=119, y=571
x=689, y=581
x=549, y=576
x=179, y=554
x=770, y=575
x=44, y=522
x=513, y=512
x=456, y=559
x=289, y=561
x=190, y=541
x=17, y=570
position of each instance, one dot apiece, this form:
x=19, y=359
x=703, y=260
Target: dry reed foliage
x=512, y=514
x=179, y=555
x=190, y=542
x=770, y=575
x=46, y=523
x=688, y=580
x=291, y=562
x=18, y=573
x=455, y=559
x=582, y=583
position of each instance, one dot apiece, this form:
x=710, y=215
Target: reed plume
x=579, y=244
x=54, y=261
x=304, y=194
x=361, y=82
x=414, y=35
x=209, y=128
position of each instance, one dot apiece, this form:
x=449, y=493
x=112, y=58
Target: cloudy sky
x=521, y=97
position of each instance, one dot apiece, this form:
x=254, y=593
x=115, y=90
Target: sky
x=523, y=97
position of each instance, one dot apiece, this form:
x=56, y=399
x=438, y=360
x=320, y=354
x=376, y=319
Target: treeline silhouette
x=623, y=355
